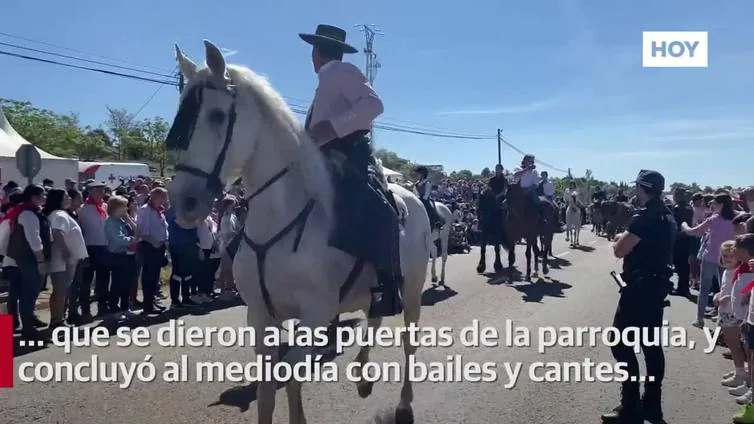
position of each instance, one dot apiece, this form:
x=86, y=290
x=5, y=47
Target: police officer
x=682, y=212
x=647, y=252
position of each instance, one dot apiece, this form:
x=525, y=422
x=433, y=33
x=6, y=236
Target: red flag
x=6, y=351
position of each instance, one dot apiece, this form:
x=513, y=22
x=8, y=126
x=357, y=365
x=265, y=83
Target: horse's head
x=222, y=114
x=205, y=134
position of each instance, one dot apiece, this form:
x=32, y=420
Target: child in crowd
x=744, y=277
x=729, y=319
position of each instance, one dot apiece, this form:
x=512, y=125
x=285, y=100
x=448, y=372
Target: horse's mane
x=305, y=156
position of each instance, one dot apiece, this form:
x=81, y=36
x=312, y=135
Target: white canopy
x=392, y=176
x=55, y=168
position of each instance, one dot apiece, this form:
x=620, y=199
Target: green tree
x=393, y=161
x=154, y=132
x=463, y=174
x=486, y=172
x=54, y=133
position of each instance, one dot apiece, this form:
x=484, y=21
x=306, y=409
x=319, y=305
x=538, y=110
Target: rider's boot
x=386, y=297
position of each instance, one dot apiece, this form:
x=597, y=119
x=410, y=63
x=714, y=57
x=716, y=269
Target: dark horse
x=617, y=215
x=491, y=226
x=523, y=221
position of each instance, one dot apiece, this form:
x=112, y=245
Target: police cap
x=651, y=180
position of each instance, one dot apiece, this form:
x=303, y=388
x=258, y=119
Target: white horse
x=232, y=122
x=442, y=235
x=573, y=218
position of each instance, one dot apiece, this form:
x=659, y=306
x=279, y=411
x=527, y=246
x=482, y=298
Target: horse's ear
x=215, y=59
x=187, y=67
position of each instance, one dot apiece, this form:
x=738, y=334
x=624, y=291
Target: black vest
x=18, y=247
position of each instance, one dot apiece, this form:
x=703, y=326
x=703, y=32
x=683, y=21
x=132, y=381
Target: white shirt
x=206, y=233
x=529, y=178
x=548, y=188
x=345, y=98
x=92, y=226
x=30, y=223
x=228, y=229
x=72, y=237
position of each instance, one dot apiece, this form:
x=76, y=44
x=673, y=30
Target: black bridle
x=179, y=138
x=180, y=133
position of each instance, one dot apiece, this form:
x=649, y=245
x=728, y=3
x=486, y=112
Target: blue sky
x=563, y=78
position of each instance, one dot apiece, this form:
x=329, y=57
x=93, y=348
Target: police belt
x=647, y=279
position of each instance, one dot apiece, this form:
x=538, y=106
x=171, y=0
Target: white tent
x=392, y=176
x=55, y=168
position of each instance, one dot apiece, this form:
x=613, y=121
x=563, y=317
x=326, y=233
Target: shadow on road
x=242, y=397
x=437, y=294
x=583, y=248
x=536, y=291
x=135, y=321
x=508, y=275
x=557, y=262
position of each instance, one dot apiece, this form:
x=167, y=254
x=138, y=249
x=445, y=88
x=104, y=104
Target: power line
x=409, y=128
x=96, y=62
x=545, y=164
x=70, y=65
x=45, y=43
x=302, y=111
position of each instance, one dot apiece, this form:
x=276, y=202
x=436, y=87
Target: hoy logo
x=675, y=49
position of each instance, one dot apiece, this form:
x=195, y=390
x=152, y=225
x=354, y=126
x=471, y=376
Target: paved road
x=579, y=294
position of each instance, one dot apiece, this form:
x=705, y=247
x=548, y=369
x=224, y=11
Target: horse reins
x=214, y=185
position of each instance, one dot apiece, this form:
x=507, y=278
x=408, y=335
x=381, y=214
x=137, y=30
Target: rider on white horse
x=424, y=190
x=339, y=121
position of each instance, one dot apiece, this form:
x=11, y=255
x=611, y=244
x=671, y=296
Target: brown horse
x=617, y=216
x=523, y=221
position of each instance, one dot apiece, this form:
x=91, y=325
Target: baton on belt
x=621, y=284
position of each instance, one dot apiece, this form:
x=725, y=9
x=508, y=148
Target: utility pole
x=181, y=82
x=372, y=64
x=499, y=146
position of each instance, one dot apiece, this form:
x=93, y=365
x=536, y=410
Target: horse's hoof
x=364, y=389
x=480, y=268
x=545, y=271
x=441, y=283
x=434, y=279
x=498, y=267
x=404, y=415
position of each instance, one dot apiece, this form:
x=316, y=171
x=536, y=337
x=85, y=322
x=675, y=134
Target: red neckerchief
x=100, y=206
x=15, y=212
x=742, y=269
x=160, y=209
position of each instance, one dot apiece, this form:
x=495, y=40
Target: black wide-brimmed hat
x=329, y=35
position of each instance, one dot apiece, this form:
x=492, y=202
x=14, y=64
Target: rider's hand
x=322, y=132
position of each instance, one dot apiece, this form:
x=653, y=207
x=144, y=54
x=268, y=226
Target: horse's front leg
x=266, y=387
x=498, y=263
x=434, y=262
x=318, y=316
x=545, y=248
x=528, y=261
x=444, y=261
x=482, y=266
x=365, y=387
x=404, y=413
x=512, y=258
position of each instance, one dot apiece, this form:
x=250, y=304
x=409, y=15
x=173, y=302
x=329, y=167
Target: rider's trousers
x=368, y=224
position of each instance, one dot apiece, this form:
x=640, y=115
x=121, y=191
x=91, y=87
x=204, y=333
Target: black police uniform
x=646, y=271
x=682, y=212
